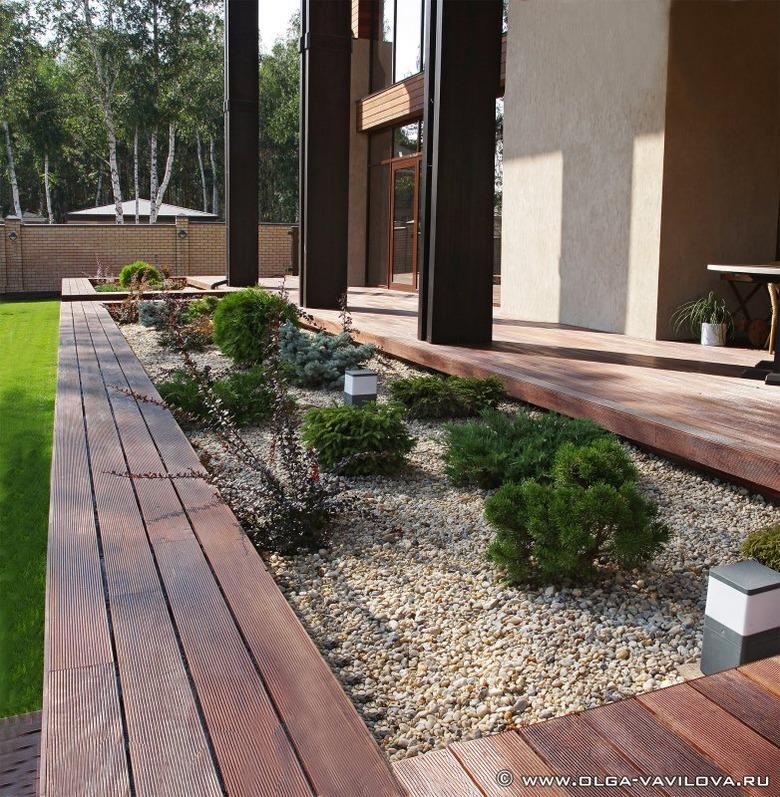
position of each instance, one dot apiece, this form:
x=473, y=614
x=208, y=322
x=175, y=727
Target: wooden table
x=768, y=370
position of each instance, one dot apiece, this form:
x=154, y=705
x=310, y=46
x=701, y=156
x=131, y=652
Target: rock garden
x=465, y=563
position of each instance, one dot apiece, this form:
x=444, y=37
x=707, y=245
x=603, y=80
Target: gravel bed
x=429, y=644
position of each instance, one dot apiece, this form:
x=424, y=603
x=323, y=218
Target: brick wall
x=36, y=257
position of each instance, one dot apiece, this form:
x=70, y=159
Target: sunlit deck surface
x=681, y=399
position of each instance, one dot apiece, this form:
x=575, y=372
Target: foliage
x=710, y=309
x=124, y=312
x=246, y=395
x=561, y=530
x=370, y=438
x=764, y=545
x=151, y=314
x=498, y=448
x=291, y=505
x=244, y=320
x=198, y=308
x=320, y=360
x=139, y=272
x=446, y=397
x=193, y=335
x=28, y=374
x=109, y=287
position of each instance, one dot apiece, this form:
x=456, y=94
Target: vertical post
x=326, y=43
x=241, y=140
x=182, y=246
x=14, y=260
x=456, y=269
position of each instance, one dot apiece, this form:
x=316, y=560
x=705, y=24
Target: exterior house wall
x=42, y=255
x=584, y=116
x=722, y=163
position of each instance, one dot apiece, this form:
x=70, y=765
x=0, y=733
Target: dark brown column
x=463, y=59
x=241, y=140
x=324, y=150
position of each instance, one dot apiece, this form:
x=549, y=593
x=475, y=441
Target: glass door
x=404, y=188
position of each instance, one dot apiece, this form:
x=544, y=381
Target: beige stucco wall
x=583, y=161
x=358, y=167
x=720, y=198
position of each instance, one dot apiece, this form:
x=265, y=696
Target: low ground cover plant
x=133, y=274
x=319, y=360
x=591, y=514
x=764, y=545
x=246, y=395
x=500, y=448
x=244, y=321
x=369, y=439
x=108, y=287
x=435, y=396
x=198, y=308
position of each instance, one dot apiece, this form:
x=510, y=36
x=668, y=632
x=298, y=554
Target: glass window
x=406, y=140
x=408, y=38
x=397, y=48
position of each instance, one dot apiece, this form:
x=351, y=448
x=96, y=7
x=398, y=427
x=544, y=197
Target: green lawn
x=28, y=366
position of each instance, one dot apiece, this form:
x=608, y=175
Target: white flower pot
x=713, y=334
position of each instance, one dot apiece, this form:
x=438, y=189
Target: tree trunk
x=99, y=189
x=214, y=191
x=153, y=176
x=135, y=173
x=203, y=190
x=157, y=200
x=9, y=148
x=113, y=164
x=46, y=187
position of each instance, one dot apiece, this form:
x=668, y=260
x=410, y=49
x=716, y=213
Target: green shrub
x=446, y=397
x=604, y=461
x=371, y=438
x=550, y=532
x=199, y=308
x=109, y=287
x=764, y=545
x=244, y=394
x=242, y=322
x=501, y=448
x=319, y=360
x=134, y=273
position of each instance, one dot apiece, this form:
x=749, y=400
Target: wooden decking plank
x=765, y=672
x=79, y=684
x=571, y=747
x=435, y=774
x=716, y=733
x=20, y=741
x=653, y=748
x=746, y=700
x=485, y=758
x=254, y=753
x=168, y=749
x=307, y=695
x=86, y=755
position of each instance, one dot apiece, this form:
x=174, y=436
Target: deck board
x=715, y=732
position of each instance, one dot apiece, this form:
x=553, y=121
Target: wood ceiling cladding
x=402, y=102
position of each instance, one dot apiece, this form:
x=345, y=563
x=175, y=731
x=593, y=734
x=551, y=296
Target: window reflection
x=397, y=51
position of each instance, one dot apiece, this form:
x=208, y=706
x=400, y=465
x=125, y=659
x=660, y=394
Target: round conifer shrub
x=243, y=321
x=139, y=272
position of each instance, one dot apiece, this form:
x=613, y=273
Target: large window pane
x=408, y=38
x=406, y=140
x=382, y=47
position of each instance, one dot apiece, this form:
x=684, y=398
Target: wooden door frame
x=404, y=162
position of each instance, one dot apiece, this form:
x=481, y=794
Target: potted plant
x=742, y=616
x=707, y=318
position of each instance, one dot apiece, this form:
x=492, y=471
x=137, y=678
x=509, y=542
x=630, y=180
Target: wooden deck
x=721, y=726
x=20, y=743
x=80, y=289
x=173, y=663
x=681, y=399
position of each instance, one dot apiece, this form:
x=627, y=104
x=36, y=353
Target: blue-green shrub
x=319, y=360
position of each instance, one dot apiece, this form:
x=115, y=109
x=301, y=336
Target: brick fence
x=36, y=257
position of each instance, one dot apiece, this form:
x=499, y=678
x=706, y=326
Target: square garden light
x=742, y=616
x=359, y=386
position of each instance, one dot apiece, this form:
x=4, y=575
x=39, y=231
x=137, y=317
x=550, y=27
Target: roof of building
x=144, y=208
